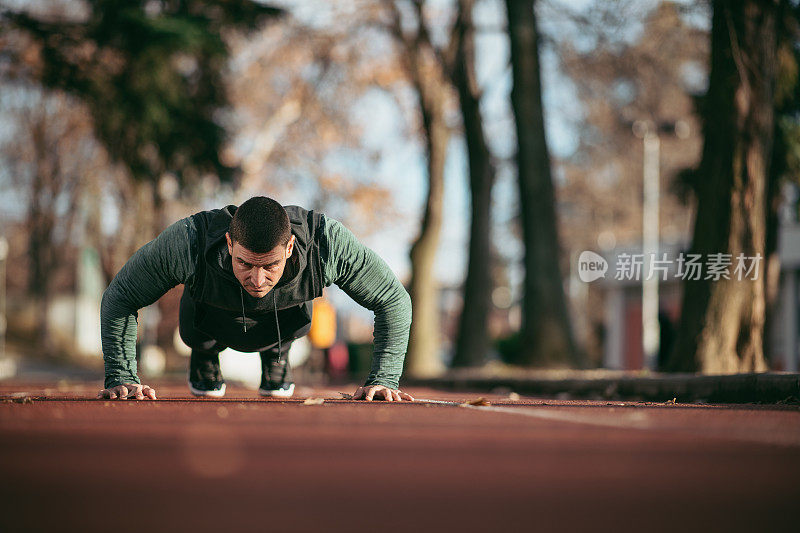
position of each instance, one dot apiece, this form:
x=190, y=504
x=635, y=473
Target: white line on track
x=633, y=420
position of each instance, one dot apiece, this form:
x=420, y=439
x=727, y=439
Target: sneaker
x=276, y=377
x=205, y=376
x=285, y=390
x=209, y=388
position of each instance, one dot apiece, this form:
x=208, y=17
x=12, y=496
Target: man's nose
x=260, y=276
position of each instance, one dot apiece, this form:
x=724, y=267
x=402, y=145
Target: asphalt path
x=72, y=463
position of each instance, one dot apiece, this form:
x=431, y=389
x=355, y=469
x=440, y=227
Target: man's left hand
x=379, y=392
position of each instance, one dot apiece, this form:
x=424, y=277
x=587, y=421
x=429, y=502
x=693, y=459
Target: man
x=249, y=275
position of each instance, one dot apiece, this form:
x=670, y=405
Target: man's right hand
x=128, y=390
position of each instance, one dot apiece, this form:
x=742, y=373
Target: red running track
x=68, y=463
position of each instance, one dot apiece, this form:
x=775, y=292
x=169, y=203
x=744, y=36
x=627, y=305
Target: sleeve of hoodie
x=155, y=268
x=368, y=280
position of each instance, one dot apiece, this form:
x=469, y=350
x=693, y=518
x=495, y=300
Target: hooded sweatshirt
x=193, y=252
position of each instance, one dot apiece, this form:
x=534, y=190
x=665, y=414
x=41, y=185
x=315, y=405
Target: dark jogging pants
x=205, y=349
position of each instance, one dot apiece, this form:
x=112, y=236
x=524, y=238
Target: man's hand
x=128, y=390
x=379, y=392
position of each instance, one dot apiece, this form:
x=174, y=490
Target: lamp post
x=3, y=324
x=651, y=175
x=651, y=333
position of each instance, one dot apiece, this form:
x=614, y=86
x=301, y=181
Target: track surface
x=68, y=463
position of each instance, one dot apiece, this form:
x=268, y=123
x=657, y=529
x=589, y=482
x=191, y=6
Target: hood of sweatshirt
x=217, y=286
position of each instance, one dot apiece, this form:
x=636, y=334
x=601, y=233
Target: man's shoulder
x=307, y=221
x=311, y=222
x=209, y=217
x=297, y=212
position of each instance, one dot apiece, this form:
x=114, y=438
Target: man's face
x=259, y=273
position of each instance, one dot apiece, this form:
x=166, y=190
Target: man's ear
x=290, y=247
x=230, y=243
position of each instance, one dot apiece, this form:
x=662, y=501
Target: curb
x=736, y=388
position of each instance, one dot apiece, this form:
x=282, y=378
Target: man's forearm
x=118, y=333
x=368, y=280
x=155, y=268
x=392, y=325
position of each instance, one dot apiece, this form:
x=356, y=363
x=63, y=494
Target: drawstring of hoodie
x=278, y=327
x=241, y=298
x=277, y=324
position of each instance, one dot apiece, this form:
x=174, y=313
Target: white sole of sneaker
x=280, y=393
x=210, y=393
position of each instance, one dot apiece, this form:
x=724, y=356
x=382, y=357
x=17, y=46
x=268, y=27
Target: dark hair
x=260, y=224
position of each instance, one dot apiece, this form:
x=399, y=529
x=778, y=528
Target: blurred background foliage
x=150, y=74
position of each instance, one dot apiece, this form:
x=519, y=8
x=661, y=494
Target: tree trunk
x=148, y=214
x=423, y=348
x=722, y=322
x=787, y=104
x=473, y=334
x=45, y=189
x=427, y=73
x=546, y=333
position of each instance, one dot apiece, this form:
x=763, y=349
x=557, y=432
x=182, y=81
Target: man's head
x=260, y=241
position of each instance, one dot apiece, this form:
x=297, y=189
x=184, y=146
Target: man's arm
x=368, y=280
x=154, y=269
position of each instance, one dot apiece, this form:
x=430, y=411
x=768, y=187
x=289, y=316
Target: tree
x=298, y=94
x=473, y=334
x=546, y=332
x=722, y=320
x=785, y=164
x=426, y=68
x=151, y=76
x=441, y=74
x=618, y=83
x=51, y=149
x=619, y=80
